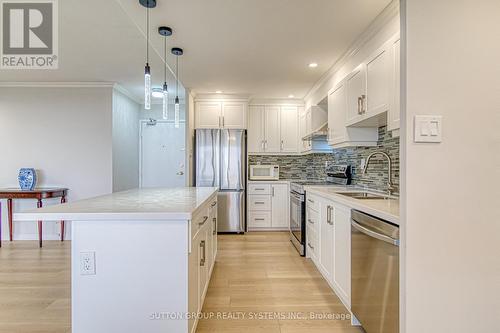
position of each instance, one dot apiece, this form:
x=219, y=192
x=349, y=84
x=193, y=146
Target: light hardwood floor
x=262, y=272
x=255, y=274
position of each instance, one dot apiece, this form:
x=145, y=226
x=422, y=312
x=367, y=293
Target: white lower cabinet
x=268, y=206
x=328, y=236
x=201, y=259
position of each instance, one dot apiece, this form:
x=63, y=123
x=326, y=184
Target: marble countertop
x=385, y=209
x=137, y=204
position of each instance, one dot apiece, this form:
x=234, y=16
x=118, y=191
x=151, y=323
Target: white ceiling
x=255, y=47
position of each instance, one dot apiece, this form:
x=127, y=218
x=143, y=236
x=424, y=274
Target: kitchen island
x=141, y=259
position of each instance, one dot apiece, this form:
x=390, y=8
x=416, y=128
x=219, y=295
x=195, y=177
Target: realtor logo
x=29, y=34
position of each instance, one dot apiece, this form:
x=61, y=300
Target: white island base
x=141, y=260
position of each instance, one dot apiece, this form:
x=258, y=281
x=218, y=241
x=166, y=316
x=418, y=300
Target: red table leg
x=63, y=200
x=39, y=205
x=9, y=211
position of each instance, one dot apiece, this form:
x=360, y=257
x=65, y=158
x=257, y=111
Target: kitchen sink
x=365, y=195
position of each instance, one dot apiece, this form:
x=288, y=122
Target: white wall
x=125, y=142
x=451, y=190
x=379, y=32
x=65, y=133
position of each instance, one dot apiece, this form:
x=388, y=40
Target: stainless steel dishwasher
x=375, y=273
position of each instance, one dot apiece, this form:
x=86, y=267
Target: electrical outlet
x=87, y=263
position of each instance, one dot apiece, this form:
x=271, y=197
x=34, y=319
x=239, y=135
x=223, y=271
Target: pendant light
x=165, y=32
x=177, y=52
x=147, y=70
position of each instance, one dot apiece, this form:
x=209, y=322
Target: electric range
x=336, y=175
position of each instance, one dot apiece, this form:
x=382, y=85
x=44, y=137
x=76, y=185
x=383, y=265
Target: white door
x=342, y=251
x=289, y=129
x=234, y=115
x=356, y=94
x=208, y=115
x=377, y=83
x=280, y=197
x=163, y=155
x=256, y=129
x=337, y=112
x=273, y=133
x=326, y=240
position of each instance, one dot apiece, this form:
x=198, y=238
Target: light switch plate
x=428, y=129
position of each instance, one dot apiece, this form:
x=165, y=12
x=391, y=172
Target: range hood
x=320, y=134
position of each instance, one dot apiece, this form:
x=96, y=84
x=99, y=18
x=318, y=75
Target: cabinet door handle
x=329, y=215
x=363, y=104
x=272, y=191
x=259, y=219
x=309, y=244
x=310, y=221
x=262, y=145
x=282, y=145
x=259, y=202
x=214, y=232
x=360, y=101
x=311, y=201
x=259, y=189
x=214, y=203
x=202, y=246
x=205, y=218
x=223, y=122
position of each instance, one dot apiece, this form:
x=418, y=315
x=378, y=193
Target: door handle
x=203, y=247
x=282, y=145
x=180, y=173
x=310, y=221
x=374, y=234
x=223, y=121
x=329, y=215
x=205, y=218
x=363, y=104
x=309, y=244
x=214, y=232
x=214, y=203
x=359, y=105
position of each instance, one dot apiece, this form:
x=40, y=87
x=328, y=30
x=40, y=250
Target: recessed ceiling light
x=291, y=96
x=218, y=92
x=313, y=65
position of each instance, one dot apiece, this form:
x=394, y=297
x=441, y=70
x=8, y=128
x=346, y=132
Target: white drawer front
x=259, y=202
x=312, y=243
x=312, y=203
x=259, y=188
x=259, y=220
x=312, y=219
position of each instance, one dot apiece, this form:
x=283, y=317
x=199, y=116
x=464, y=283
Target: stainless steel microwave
x=264, y=172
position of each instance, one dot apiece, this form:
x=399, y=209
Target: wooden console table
x=39, y=194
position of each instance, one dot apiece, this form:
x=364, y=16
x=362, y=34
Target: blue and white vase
x=27, y=179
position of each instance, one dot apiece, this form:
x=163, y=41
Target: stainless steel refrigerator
x=220, y=162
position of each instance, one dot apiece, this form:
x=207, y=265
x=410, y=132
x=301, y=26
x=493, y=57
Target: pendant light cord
x=147, y=35
x=165, y=60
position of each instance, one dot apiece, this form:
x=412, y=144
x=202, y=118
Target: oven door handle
x=296, y=196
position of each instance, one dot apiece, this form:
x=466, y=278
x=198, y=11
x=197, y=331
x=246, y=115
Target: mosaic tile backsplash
x=312, y=166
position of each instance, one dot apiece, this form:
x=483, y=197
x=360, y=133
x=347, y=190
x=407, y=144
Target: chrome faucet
x=390, y=186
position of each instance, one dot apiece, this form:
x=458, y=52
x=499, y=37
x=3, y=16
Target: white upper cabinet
x=393, y=118
x=356, y=94
x=340, y=135
x=256, y=135
x=234, y=115
x=208, y=114
x=377, y=83
x=221, y=114
x=289, y=129
x=272, y=142
x=273, y=129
